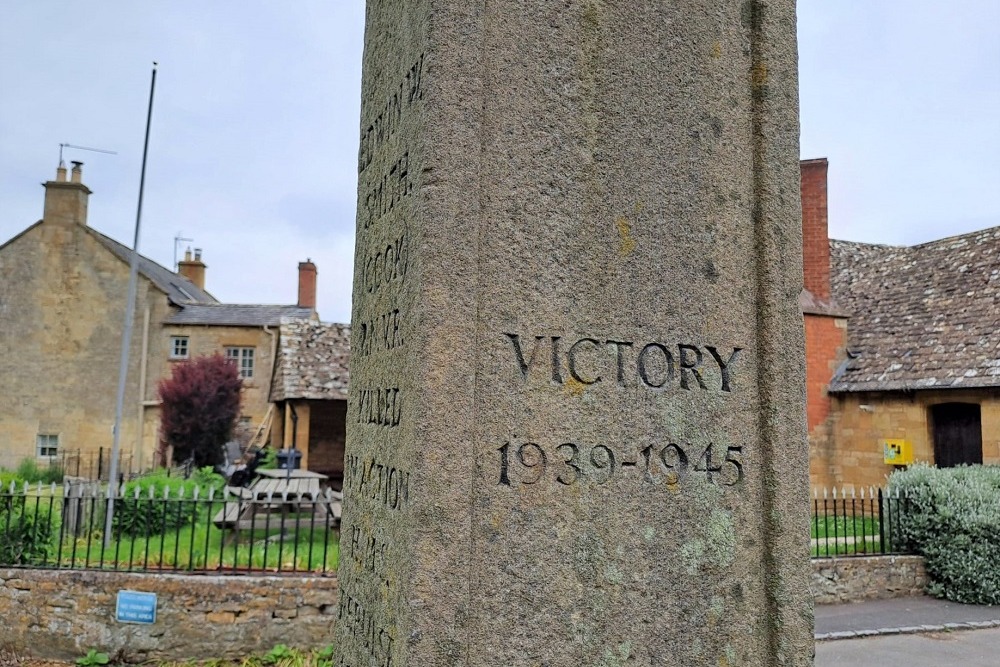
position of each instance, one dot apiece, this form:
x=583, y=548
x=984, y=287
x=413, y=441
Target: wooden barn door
x=958, y=434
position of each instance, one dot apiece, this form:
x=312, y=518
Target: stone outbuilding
x=902, y=348
x=309, y=393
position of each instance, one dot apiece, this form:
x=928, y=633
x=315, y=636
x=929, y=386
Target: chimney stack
x=193, y=268
x=815, y=234
x=307, y=284
x=66, y=201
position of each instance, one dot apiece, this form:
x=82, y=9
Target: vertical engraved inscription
x=390, y=114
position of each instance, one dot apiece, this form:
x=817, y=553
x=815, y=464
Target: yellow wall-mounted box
x=897, y=452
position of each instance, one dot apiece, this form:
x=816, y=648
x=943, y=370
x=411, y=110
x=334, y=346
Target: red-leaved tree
x=200, y=404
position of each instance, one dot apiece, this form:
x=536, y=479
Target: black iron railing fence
x=225, y=531
x=857, y=523
x=235, y=531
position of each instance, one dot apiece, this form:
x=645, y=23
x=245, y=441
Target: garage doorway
x=958, y=434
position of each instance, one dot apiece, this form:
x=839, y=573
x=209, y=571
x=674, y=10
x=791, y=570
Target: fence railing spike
x=211, y=493
x=862, y=493
x=195, y=492
x=166, y=492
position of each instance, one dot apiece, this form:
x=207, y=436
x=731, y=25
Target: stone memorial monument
x=576, y=420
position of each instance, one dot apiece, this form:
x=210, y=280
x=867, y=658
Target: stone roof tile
x=312, y=360
x=178, y=289
x=925, y=316
x=237, y=314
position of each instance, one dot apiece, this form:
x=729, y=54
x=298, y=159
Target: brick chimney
x=815, y=238
x=193, y=268
x=66, y=201
x=307, y=284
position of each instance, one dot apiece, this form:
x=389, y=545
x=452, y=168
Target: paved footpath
x=907, y=632
x=967, y=648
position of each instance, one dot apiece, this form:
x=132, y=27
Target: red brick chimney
x=193, y=268
x=815, y=238
x=66, y=201
x=307, y=284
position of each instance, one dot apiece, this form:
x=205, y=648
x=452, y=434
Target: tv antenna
x=82, y=148
x=179, y=239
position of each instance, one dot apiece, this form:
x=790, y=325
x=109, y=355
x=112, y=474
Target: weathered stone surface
x=577, y=437
x=837, y=580
x=62, y=614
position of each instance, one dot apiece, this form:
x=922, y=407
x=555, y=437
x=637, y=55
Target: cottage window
x=179, y=347
x=243, y=358
x=47, y=445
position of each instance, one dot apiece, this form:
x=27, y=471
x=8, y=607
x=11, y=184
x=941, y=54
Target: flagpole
x=133, y=280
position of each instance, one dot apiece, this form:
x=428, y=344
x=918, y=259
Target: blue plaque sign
x=136, y=607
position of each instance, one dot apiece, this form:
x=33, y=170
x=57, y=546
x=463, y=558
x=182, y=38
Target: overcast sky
x=254, y=140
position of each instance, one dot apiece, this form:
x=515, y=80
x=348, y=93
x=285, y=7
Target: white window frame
x=175, y=343
x=47, y=446
x=243, y=357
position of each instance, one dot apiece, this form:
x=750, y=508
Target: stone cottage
x=62, y=305
x=902, y=348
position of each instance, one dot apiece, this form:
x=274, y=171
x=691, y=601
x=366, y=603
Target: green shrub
x=29, y=471
x=142, y=515
x=26, y=531
x=952, y=519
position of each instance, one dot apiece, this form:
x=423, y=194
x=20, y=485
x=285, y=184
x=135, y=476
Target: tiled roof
x=312, y=361
x=178, y=289
x=237, y=315
x=922, y=317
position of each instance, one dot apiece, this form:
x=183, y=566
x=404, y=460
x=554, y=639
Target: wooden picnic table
x=292, y=484
x=283, y=493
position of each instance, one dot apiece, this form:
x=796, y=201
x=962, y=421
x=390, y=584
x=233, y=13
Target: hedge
x=952, y=519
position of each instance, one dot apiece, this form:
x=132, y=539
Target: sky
x=253, y=148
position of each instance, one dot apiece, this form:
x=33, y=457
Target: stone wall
x=867, y=578
x=61, y=614
x=853, y=449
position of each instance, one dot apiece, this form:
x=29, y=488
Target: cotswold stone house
x=902, y=343
x=62, y=305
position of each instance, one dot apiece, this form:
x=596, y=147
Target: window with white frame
x=179, y=348
x=243, y=358
x=47, y=445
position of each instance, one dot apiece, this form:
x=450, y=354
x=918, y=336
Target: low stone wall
x=61, y=614
x=867, y=578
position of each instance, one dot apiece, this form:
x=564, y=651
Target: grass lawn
x=847, y=535
x=205, y=547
